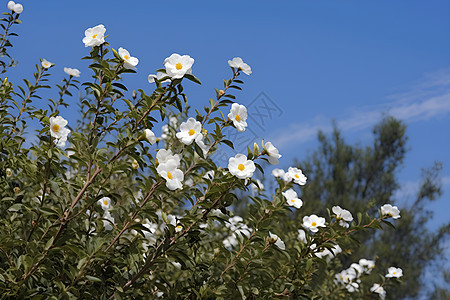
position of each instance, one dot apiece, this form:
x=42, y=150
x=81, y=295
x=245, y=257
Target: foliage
x=102, y=219
x=362, y=178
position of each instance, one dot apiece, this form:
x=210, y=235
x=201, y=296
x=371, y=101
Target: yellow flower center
x=292, y=200
x=55, y=128
x=314, y=224
x=94, y=36
x=169, y=175
x=126, y=57
x=296, y=176
x=105, y=202
x=179, y=66
x=241, y=167
x=191, y=132
x=393, y=272
x=237, y=118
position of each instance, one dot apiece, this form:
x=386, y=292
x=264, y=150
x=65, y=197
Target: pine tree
x=361, y=178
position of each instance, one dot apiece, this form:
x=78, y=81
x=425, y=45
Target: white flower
x=241, y=167
x=336, y=250
x=342, y=215
x=234, y=222
x=272, y=152
x=150, y=136
x=189, y=131
x=72, y=72
x=171, y=174
x=209, y=175
x=11, y=5
x=292, y=198
x=108, y=220
x=94, y=36
x=367, y=265
x=58, y=130
x=105, y=202
x=46, y=64
x=163, y=156
x=15, y=7
x=238, y=114
x=313, y=222
x=376, y=288
x=352, y=287
x=273, y=238
x=61, y=142
x=189, y=181
x=178, y=228
x=158, y=76
x=8, y=172
x=130, y=61
x=235, y=225
x=390, y=211
x=239, y=64
x=203, y=146
x=394, y=272
x=326, y=253
x=358, y=268
x=173, y=121
x=349, y=278
x=177, y=66
x=152, y=227
x=297, y=175
x=149, y=234
x=165, y=131
x=230, y=241
x=257, y=187
x=278, y=173
x=302, y=236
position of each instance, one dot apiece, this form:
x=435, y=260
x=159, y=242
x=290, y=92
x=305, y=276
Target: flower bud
x=272, y=240
x=255, y=149
x=134, y=164
x=8, y=172
x=16, y=190
x=221, y=92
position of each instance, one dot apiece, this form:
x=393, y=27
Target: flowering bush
x=106, y=209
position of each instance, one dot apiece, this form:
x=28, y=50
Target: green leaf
x=92, y=278
x=192, y=78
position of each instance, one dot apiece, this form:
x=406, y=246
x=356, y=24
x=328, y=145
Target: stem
x=218, y=98
x=7, y=256
x=152, y=190
x=230, y=265
x=2, y=44
x=173, y=240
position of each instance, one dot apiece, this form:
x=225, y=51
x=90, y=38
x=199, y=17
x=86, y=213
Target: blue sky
x=350, y=61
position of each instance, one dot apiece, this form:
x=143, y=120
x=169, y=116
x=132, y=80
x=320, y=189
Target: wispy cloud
x=422, y=100
x=409, y=189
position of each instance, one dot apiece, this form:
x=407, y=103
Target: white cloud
x=424, y=100
x=409, y=189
